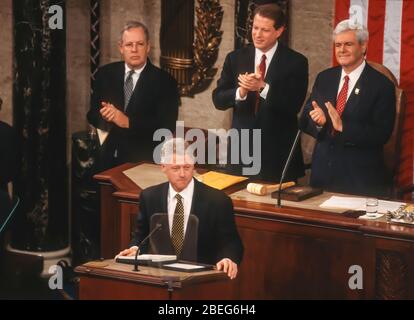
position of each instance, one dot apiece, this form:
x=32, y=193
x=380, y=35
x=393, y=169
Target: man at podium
x=183, y=197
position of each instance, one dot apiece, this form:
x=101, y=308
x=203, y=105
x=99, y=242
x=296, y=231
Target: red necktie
x=341, y=101
x=262, y=69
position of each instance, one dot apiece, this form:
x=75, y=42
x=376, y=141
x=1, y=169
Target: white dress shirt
x=135, y=76
x=353, y=78
x=187, y=200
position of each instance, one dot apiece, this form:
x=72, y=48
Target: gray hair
x=177, y=146
x=134, y=24
x=361, y=32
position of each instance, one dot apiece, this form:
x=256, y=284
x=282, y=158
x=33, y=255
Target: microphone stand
x=287, y=164
x=157, y=227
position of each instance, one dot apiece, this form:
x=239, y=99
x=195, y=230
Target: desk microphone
x=285, y=168
x=158, y=227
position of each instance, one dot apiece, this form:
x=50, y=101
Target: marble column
x=39, y=99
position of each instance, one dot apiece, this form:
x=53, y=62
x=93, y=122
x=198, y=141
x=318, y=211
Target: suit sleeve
x=225, y=93
x=306, y=124
x=94, y=116
x=288, y=97
x=377, y=130
x=230, y=245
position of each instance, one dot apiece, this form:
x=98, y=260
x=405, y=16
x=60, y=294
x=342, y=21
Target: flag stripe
x=406, y=176
x=341, y=13
x=361, y=4
x=376, y=31
x=392, y=37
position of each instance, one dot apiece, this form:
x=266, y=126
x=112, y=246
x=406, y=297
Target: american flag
x=391, y=42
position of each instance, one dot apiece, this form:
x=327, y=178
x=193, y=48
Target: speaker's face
x=179, y=172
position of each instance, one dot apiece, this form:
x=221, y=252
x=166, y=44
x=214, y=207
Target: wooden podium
x=108, y=280
x=297, y=251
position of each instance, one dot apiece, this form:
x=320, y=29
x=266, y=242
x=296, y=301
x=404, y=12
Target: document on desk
x=146, y=175
x=358, y=204
x=220, y=180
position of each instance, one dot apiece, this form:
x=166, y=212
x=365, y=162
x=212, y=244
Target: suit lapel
x=333, y=86
x=195, y=208
x=164, y=238
x=139, y=89
x=276, y=65
x=119, y=84
x=354, y=99
x=189, y=251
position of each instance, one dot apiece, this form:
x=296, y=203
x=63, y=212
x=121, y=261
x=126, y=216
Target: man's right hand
x=128, y=252
x=317, y=115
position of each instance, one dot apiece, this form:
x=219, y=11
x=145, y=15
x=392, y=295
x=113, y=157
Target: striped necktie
x=177, y=233
x=128, y=88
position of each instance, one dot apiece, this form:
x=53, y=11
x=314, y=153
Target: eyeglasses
x=134, y=45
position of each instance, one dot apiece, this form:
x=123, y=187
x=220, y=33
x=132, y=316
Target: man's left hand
x=227, y=266
x=111, y=114
x=335, y=117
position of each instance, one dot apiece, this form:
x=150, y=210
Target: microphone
x=285, y=168
x=158, y=227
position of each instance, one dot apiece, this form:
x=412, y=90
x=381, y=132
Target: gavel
x=263, y=189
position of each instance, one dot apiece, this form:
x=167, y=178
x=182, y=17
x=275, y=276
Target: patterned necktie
x=341, y=101
x=128, y=88
x=177, y=233
x=262, y=69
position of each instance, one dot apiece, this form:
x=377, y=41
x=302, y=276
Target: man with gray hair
x=132, y=99
x=218, y=240
x=351, y=113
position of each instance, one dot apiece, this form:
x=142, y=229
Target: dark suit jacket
x=5, y=206
x=352, y=161
x=8, y=155
x=287, y=77
x=153, y=105
x=217, y=233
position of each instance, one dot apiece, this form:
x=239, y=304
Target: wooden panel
x=298, y=261
x=108, y=289
x=110, y=229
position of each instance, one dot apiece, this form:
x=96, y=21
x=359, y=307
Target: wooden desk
x=109, y=280
x=289, y=252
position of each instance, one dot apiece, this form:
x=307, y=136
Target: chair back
x=393, y=147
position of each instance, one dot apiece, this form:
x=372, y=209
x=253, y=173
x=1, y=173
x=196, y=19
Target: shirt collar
x=269, y=54
x=186, y=193
x=137, y=71
x=354, y=74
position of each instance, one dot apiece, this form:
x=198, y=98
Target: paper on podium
x=146, y=175
x=220, y=180
x=358, y=203
x=146, y=258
